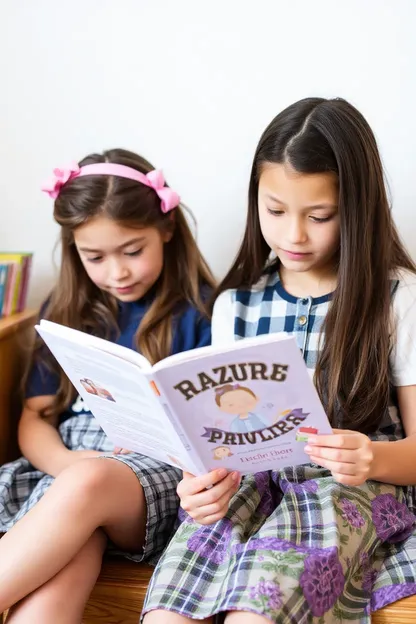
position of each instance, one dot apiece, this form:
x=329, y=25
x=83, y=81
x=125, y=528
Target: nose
x=296, y=233
x=118, y=270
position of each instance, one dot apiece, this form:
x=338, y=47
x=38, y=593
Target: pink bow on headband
x=60, y=177
x=169, y=199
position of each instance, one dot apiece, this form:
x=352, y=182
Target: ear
x=167, y=235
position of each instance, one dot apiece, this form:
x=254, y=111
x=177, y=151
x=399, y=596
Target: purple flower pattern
x=322, y=580
x=351, y=514
x=393, y=520
x=310, y=486
x=266, y=505
x=212, y=545
x=268, y=591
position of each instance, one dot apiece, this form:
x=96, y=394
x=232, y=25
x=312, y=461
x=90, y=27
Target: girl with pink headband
x=130, y=272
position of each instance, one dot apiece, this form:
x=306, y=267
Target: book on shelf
x=15, y=270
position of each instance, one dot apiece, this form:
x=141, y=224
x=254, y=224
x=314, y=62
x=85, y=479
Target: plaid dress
x=22, y=485
x=295, y=546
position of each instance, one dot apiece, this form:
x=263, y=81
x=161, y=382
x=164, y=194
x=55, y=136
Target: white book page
x=82, y=338
x=201, y=352
x=121, y=398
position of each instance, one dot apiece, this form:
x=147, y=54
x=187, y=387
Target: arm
x=394, y=462
x=40, y=442
x=351, y=456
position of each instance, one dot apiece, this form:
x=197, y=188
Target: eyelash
x=130, y=254
x=278, y=213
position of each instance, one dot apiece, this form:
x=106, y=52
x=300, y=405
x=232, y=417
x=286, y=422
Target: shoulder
x=192, y=328
x=404, y=297
x=223, y=318
x=403, y=353
x=238, y=302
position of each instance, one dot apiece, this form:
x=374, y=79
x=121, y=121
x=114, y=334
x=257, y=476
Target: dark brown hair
x=317, y=135
x=78, y=303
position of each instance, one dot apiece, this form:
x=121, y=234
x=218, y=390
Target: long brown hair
x=317, y=135
x=77, y=302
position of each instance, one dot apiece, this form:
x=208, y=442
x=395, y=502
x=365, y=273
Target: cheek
x=330, y=239
x=269, y=226
x=94, y=271
x=151, y=263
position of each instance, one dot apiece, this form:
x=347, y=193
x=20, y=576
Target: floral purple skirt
x=295, y=547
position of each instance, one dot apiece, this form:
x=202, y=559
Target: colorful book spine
x=10, y=285
x=27, y=269
x=4, y=269
x=17, y=282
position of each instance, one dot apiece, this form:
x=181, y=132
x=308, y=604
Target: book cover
x=250, y=409
x=247, y=406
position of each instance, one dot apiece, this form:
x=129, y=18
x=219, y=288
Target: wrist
x=375, y=467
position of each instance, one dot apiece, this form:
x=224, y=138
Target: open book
x=248, y=406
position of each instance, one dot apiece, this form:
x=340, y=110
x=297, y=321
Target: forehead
x=286, y=184
x=105, y=234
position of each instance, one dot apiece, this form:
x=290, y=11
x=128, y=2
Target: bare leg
x=89, y=494
x=50, y=604
x=160, y=616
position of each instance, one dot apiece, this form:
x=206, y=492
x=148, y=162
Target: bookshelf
x=16, y=335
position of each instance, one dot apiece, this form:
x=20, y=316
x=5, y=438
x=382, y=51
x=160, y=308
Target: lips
x=125, y=289
x=296, y=255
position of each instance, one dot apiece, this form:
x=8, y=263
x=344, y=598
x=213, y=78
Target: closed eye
x=320, y=219
x=134, y=253
x=275, y=213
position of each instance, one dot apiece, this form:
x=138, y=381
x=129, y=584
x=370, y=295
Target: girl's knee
x=100, y=488
x=85, y=480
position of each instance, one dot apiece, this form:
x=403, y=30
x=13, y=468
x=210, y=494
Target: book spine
x=11, y=279
x=27, y=267
x=16, y=289
x=3, y=280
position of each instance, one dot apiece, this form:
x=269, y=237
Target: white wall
x=190, y=85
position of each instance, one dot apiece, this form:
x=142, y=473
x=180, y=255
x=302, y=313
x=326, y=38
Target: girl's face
x=299, y=218
x=123, y=261
x=237, y=402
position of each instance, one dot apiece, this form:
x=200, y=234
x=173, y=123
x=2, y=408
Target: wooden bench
x=119, y=593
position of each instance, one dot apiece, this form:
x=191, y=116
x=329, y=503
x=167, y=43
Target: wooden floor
x=119, y=594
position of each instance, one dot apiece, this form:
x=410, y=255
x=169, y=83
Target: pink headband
x=154, y=179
